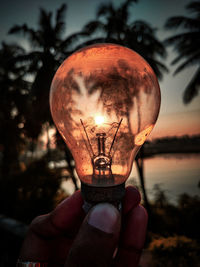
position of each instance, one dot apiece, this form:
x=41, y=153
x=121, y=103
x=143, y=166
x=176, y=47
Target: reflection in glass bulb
x=104, y=101
x=142, y=136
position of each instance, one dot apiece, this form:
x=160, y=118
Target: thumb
x=97, y=238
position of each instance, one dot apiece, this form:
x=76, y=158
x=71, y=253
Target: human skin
x=69, y=237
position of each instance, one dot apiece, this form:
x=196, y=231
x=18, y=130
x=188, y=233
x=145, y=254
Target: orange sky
x=184, y=123
x=172, y=124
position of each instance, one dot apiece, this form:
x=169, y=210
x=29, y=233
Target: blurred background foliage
x=30, y=171
x=174, y=251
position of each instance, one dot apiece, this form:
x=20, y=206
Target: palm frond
x=45, y=19
x=60, y=16
x=123, y=10
x=145, y=37
x=157, y=66
x=192, y=88
x=67, y=42
x=24, y=29
x=142, y=26
x=187, y=45
x=27, y=59
x=186, y=52
x=93, y=26
x=128, y=2
x=194, y=7
x=182, y=37
x=153, y=46
x=13, y=48
x=184, y=22
x=194, y=59
x=105, y=9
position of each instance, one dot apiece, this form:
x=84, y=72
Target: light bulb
x=104, y=100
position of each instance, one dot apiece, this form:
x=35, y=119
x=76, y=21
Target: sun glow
x=99, y=120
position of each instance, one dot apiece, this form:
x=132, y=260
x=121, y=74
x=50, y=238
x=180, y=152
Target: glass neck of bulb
x=101, y=138
x=102, y=162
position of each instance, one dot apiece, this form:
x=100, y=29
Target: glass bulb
x=104, y=100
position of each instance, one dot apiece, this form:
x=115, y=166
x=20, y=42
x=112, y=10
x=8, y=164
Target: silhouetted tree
x=49, y=50
x=13, y=94
x=112, y=25
x=187, y=45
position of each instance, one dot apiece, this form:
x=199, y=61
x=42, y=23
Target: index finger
x=65, y=219
x=132, y=239
x=49, y=236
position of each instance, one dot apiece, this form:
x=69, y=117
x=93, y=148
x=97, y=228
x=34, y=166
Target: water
x=175, y=173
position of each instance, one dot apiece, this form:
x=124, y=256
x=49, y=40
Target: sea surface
x=174, y=173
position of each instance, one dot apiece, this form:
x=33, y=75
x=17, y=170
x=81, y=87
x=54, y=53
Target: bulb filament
x=101, y=162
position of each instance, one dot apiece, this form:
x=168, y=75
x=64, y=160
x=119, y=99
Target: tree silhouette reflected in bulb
x=104, y=101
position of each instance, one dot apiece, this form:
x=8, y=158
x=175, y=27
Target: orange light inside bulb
x=104, y=101
x=99, y=120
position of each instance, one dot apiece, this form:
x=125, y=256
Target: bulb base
x=94, y=195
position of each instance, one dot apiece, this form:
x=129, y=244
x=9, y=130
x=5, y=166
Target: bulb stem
x=101, y=137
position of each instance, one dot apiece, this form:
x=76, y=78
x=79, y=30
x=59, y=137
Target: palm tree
x=49, y=50
x=113, y=25
x=187, y=45
x=13, y=91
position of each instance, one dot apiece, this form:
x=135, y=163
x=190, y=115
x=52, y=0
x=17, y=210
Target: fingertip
x=135, y=234
x=67, y=215
x=97, y=238
x=142, y=214
x=133, y=238
x=75, y=200
x=105, y=217
x=68, y=211
x=132, y=199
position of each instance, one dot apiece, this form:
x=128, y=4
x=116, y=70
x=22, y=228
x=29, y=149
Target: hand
x=68, y=237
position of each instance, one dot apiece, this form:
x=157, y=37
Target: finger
x=65, y=219
x=131, y=199
x=55, y=228
x=68, y=215
x=132, y=238
x=97, y=238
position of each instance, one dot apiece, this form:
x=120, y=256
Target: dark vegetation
x=174, y=235
x=28, y=186
x=183, y=144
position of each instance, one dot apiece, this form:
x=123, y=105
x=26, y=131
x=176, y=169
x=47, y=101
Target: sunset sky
x=175, y=117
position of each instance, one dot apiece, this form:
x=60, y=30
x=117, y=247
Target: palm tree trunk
x=140, y=168
x=140, y=163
